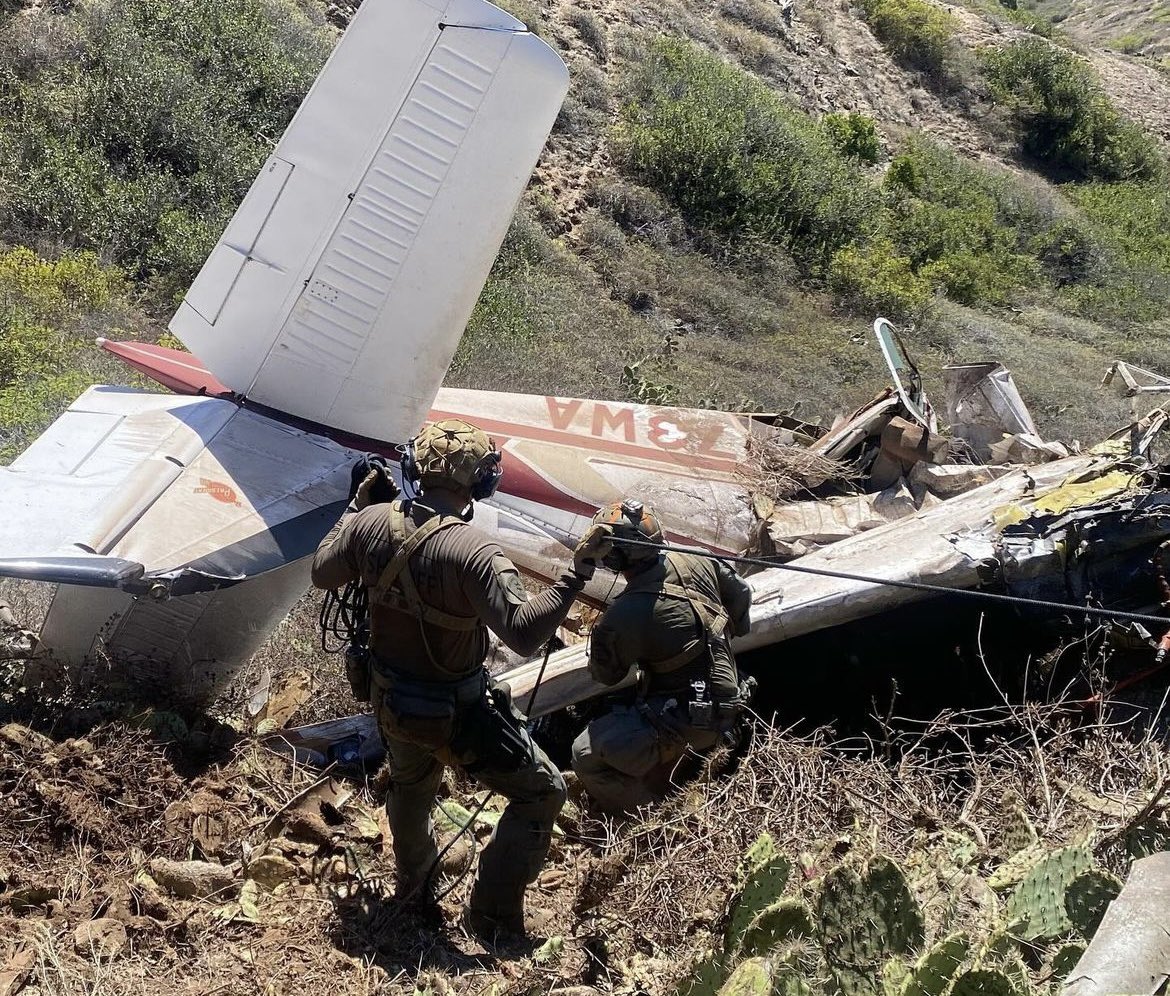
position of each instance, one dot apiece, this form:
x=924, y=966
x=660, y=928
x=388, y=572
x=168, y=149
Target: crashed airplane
x=323, y=323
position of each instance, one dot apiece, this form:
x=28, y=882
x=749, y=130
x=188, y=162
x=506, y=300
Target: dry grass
x=634, y=901
x=782, y=472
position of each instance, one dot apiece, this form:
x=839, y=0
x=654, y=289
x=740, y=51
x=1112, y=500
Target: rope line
x=937, y=589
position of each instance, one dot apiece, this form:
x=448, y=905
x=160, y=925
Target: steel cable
x=935, y=589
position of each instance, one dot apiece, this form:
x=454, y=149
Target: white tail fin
x=341, y=287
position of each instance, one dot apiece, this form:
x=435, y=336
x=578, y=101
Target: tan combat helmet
x=630, y=519
x=453, y=453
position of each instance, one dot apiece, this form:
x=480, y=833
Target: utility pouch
x=419, y=713
x=358, y=671
x=702, y=715
x=492, y=736
x=700, y=708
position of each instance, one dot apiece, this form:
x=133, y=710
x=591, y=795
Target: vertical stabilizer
x=341, y=287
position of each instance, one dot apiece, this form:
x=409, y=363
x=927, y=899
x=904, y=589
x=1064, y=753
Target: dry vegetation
x=294, y=895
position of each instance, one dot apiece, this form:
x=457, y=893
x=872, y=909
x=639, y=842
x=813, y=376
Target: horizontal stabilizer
x=95, y=572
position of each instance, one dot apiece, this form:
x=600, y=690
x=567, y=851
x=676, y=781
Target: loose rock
x=270, y=870
x=105, y=938
x=191, y=879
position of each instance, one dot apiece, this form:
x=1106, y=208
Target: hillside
x=732, y=191
x=614, y=284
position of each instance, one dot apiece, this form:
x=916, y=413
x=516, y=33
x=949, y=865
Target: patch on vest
x=509, y=578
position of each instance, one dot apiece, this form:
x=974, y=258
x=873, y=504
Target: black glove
x=370, y=482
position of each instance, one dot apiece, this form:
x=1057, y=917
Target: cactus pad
x=932, y=973
x=1088, y=897
x=1019, y=833
x=750, y=978
x=863, y=921
x=983, y=982
x=1065, y=960
x=1038, y=902
x=1148, y=838
x=851, y=982
x=1015, y=869
x=788, y=982
x=706, y=976
x=780, y=922
x=763, y=883
x=895, y=972
x=895, y=905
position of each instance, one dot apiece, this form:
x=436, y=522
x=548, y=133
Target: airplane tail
x=340, y=289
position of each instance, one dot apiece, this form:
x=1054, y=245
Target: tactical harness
x=471, y=715
x=404, y=597
x=711, y=621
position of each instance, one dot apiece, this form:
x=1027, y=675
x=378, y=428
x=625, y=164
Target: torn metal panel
x=946, y=480
x=983, y=405
x=1026, y=449
x=798, y=528
x=1130, y=952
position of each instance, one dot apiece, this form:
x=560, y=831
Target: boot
x=504, y=929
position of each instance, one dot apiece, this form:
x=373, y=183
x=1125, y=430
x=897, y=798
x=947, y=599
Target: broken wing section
x=178, y=531
x=340, y=289
x=71, y=496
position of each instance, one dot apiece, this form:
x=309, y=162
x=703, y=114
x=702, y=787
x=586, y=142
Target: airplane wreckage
x=322, y=325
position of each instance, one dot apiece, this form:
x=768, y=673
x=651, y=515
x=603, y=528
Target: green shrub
x=854, y=135
x=964, y=228
x=1064, y=118
x=134, y=127
x=49, y=311
x=916, y=33
x=737, y=159
x=876, y=279
x=1130, y=226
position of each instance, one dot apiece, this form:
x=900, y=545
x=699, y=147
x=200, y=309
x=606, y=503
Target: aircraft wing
x=340, y=289
x=135, y=490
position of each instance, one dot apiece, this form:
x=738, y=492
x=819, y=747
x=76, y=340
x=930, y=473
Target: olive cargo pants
x=624, y=760
x=519, y=844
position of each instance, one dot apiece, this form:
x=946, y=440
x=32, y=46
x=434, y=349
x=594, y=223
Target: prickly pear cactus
x=750, y=978
x=895, y=972
x=1148, y=838
x=763, y=874
x=1019, y=832
x=932, y=973
x=707, y=975
x=1088, y=897
x=1015, y=869
x=1038, y=902
x=897, y=909
x=780, y=922
x=1065, y=960
x=983, y=982
x=789, y=982
x=865, y=920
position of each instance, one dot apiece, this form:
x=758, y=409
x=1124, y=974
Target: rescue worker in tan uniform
x=436, y=585
x=672, y=622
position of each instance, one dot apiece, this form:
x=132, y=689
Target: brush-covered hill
x=733, y=190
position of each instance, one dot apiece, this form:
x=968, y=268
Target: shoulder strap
x=396, y=586
x=711, y=617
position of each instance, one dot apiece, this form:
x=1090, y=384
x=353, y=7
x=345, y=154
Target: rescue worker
x=672, y=622
x=435, y=585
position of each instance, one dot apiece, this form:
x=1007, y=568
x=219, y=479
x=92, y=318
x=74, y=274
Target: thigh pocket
x=419, y=718
x=626, y=741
